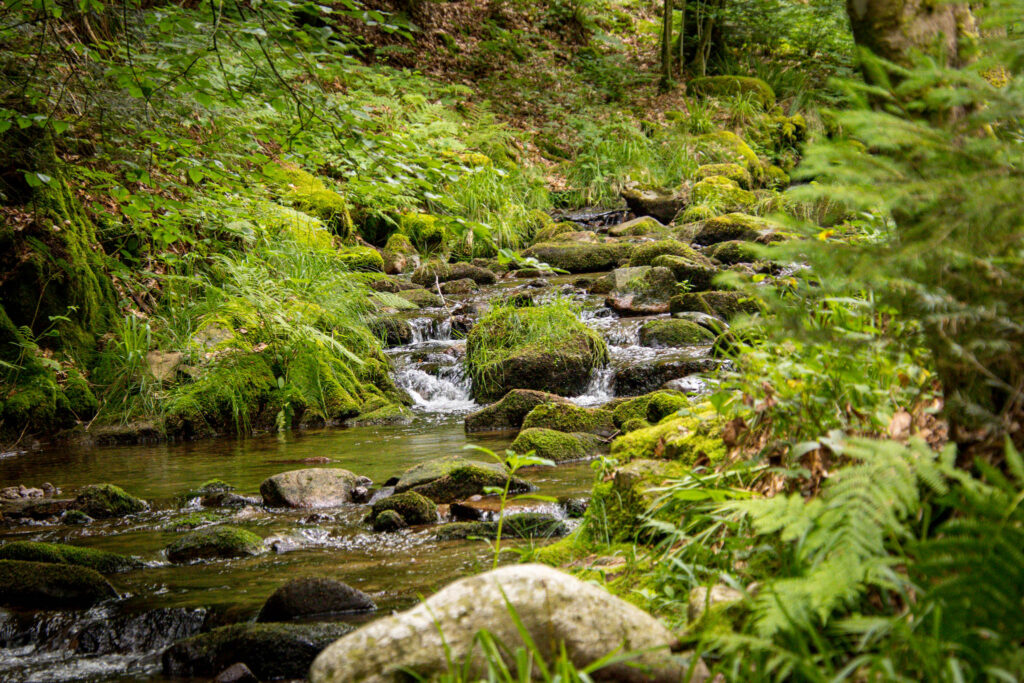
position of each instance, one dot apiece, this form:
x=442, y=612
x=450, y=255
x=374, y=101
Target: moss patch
x=687, y=440
x=726, y=305
x=106, y=500
x=60, y=553
x=644, y=254
x=508, y=413
x=40, y=585
x=730, y=86
x=308, y=193
x=569, y=417
x=555, y=445
x=673, y=332
x=735, y=226
x=734, y=172
x=214, y=542
x=722, y=194
x=580, y=257
x=414, y=508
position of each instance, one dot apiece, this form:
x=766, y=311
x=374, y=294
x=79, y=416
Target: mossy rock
x=688, y=440
x=725, y=305
x=555, y=445
x=271, y=651
x=644, y=254
x=421, y=297
x=385, y=413
x=464, y=481
x=736, y=226
x=734, y=172
x=192, y=521
x=788, y=131
x=729, y=147
x=508, y=413
x=730, y=86
x=519, y=525
x=81, y=399
x=102, y=501
x=660, y=204
x=673, y=332
x=619, y=508
x=362, y=259
x=695, y=214
x=391, y=331
x=428, y=233
x=735, y=251
x=641, y=290
x=431, y=470
x=580, y=257
x=214, y=543
x=775, y=177
x=463, y=286
x=41, y=585
x=504, y=352
x=723, y=194
x=644, y=225
x=399, y=254
x=552, y=231
x=569, y=417
x=637, y=408
x=435, y=271
x=311, y=597
x=414, y=508
x=308, y=193
x=698, y=273
x=389, y=521
x=60, y=553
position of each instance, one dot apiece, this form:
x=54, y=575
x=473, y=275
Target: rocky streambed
x=201, y=535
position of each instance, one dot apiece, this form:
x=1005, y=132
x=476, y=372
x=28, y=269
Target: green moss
x=40, y=585
x=400, y=244
x=414, y=508
x=308, y=193
x=644, y=225
x=552, y=231
x=633, y=424
x=381, y=413
x=544, y=348
x=421, y=297
x=725, y=305
x=229, y=395
x=645, y=253
x=389, y=520
x=60, y=553
x=734, y=172
x=81, y=400
x=682, y=439
x=192, y=521
x=293, y=224
x=735, y=226
x=555, y=445
x=618, y=507
x=362, y=258
x=729, y=86
x=580, y=257
x=695, y=213
x=723, y=194
x=427, y=232
x=788, y=131
x=464, y=481
x=214, y=542
x=673, y=332
x=735, y=251
x=729, y=147
x=636, y=408
x=568, y=417
x=106, y=500
x=520, y=525
x=697, y=273
x=775, y=177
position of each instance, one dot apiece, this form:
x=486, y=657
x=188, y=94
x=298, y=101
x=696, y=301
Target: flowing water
x=161, y=601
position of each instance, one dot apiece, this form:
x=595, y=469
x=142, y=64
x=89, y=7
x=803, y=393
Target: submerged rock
x=106, y=500
x=555, y=445
x=271, y=651
x=215, y=542
x=508, y=413
x=316, y=487
x=313, y=596
x=60, y=553
x=555, y=609
x=39, y=585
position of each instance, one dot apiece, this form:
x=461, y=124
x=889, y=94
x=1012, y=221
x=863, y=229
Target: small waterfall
x=445, y=391
x=599, y=390
x=430, y=329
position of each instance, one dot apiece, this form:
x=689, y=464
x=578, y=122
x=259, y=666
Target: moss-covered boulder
x=689, y=440
x=644, y=254
x=723, y=194
x=697, y=272
x=578, y=257
x=552, y=231
x=545, y=348
x=414, y=508
x=391, y=331
x=271, y=651
x=427, y=232
x=735, y=251
x=519, y=525
x=219, y=542
x=731, y=86
x=60, y=553
x=463, y=286
x=732, y=171
x=619, y=507
x=647, y=375
x=41, y=585
x=399, y=254
x=672, y=332
x=637, y=409
x=361, y=259
x=102, y=501
x=508, y=413
x=315, y=487
x=725, y=305
x=311, y=597
x=555, y=445
x=309, y=193
x=726, y=146
x=736, y=226
x=644, y=225
x=660, y=204
x=431, y=470
x=389, y=521
x=421, y=297
x=434, y=271
x=464, y=481
x=641, y=290
x=569, y=417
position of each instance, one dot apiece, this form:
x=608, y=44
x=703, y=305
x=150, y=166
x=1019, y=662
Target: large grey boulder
x=554, y=607
x=316, y=487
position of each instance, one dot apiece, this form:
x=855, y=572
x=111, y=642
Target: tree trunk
x=892, y=29
x=666, y=45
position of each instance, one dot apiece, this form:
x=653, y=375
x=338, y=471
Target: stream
x=162, y=601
